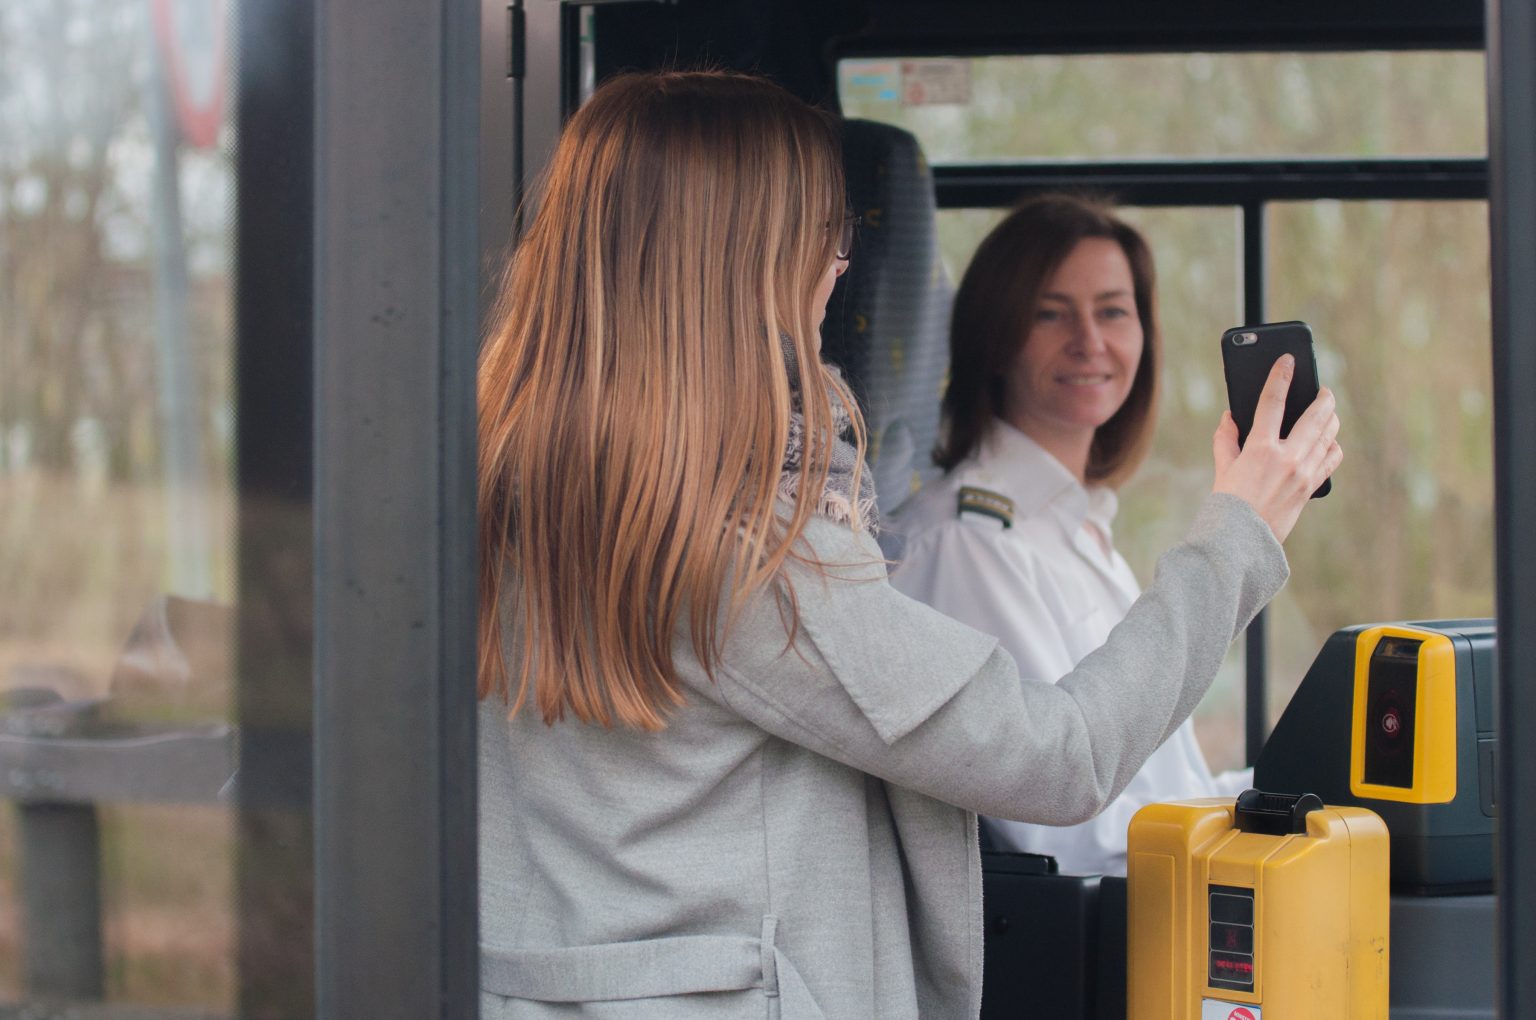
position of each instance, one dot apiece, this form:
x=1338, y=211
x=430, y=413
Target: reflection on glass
x=1199, y=295
x=116, y=504
x=1225, y=105
x=1397, y=296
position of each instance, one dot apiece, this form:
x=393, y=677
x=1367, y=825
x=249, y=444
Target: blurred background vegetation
x=116, y=446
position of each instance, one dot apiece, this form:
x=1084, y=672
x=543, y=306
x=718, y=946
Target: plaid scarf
x=838, y=499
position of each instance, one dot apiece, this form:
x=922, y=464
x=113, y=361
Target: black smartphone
x=1248, y=353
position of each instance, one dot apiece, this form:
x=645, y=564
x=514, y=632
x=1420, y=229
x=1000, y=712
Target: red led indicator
x=1231, y=939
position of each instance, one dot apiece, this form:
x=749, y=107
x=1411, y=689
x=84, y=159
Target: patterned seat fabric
x=887, y=324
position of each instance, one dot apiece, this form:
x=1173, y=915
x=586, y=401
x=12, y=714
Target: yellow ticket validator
x=1272, y=908
x=1403, y=738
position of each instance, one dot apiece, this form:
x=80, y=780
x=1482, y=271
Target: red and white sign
x=935, y=81
x=1216, y=1009
x=192, y=38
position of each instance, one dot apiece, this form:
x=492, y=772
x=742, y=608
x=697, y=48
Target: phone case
x=1247, y=368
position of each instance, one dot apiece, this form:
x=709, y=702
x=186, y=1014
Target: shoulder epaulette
x=986, y=502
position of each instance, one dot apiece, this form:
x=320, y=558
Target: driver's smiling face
x=1079, y=359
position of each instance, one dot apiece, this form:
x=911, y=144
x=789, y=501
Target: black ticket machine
x=1398, y=718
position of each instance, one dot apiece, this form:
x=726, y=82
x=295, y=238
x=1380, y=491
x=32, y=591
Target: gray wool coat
x=800, y=841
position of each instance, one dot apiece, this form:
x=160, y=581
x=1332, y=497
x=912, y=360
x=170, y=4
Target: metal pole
x=274, y=174
x=548, y=90
x=61, y=901
x=188, y=542
x=396, y=322
x=500, y=176
x=1511, y=26
x=1255, y=644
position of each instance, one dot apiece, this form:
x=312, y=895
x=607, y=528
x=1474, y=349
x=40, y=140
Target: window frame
x=397, y=277
x=1512, y=216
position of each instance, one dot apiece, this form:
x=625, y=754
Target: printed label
x=935, y=82
x=1215, y=1009
x=865, y=83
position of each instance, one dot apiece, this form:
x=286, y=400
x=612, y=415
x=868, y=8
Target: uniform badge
x=987, y=503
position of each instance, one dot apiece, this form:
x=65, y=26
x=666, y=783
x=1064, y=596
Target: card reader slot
x=1391, y=712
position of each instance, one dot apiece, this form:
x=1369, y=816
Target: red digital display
x=1231, y=941
x=1232, y=970
x=1232, y=938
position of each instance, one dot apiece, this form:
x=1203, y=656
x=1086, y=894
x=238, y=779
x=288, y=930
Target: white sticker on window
x=1215, y=1009
x=935, y=82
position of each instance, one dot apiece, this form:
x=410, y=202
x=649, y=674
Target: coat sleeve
x=887, y=685
x=969, y=574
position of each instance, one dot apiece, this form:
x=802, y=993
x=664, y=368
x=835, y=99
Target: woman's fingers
x=1333, y=456
x=1302, y=454
x=1325, y=439
x=1334, y=459
x=1224, y=443
x=1310, y=425
x=1314, y=456
x=1268, y=416
x=1277, y=476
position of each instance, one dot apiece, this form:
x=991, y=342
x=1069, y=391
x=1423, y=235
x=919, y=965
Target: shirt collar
x=1035, y=480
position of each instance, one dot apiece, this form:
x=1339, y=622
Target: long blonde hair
x=634, y=394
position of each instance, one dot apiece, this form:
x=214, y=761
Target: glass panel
x=1397, y=296
x=117, y=504
x=1199, y=292
x=960, y=231
x=1179, y=105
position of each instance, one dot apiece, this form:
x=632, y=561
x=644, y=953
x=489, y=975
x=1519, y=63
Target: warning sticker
x=1215, y=1009
x=935, y=82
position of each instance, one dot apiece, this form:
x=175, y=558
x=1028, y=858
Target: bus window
x=1228, y=105
x=124, y=857
x=1397, y=293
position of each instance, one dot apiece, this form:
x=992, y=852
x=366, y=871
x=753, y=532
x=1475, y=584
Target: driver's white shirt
x=1051, y=593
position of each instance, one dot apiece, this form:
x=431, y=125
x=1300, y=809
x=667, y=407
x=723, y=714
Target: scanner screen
x=1391, y=699
x=1231, y=947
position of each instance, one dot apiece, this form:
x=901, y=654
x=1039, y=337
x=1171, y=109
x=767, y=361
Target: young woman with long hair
x=1055, y=354
x=726, y=769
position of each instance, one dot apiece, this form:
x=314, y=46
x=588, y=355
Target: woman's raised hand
x=1277, y=476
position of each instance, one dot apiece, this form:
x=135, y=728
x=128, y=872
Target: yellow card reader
x=1398, y=718
x=1404, y=719
x=1273, y=908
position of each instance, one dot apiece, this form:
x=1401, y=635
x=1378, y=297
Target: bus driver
x=1055, y=357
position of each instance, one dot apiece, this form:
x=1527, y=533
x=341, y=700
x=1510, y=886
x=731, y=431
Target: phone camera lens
x=1245, y=339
